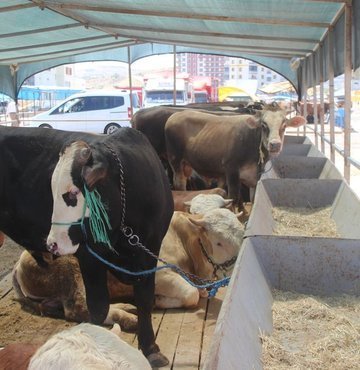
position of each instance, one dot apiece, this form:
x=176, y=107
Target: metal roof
x=37, y=35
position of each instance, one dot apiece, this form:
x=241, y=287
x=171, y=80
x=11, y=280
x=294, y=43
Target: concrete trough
x=291, y=139
x=298, y=167
x=305, y=150
x=314, y=193
x=308, y=265
x=283, y=263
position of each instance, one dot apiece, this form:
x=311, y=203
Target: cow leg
x=127, y=321
x=94, y=274
x=234, y=189
x=181, y=172
x=172, y=291
x=144, y=299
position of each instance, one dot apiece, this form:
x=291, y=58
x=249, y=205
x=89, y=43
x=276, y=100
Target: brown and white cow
x=191, y=242
x=34, y=287
x=231, y=147
x=205, y=245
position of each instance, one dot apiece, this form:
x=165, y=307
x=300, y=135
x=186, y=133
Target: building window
x=68, y=71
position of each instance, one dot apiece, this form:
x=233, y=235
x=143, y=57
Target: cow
x=181, y=198
x=87, y=346
x=203, y=203
x=151, y=122
x=233, y=148
x=204, y=245
x=300, y=108
x=40, y=188
x=34, y=287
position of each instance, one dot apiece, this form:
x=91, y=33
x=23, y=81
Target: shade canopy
x=279, y=34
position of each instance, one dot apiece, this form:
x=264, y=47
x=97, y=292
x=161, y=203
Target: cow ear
x=296, y=121
x=93, y=174
x=228, y=203
x=199, y=222
x=187, y=205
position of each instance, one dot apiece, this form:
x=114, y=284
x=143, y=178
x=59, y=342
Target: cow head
x=221, y=235
x=77, y=165
x=274, y=122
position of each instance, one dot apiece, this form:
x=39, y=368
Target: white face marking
x=276, y=124
x=65, y=212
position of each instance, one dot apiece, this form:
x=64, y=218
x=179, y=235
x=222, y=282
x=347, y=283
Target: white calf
x=88, y=346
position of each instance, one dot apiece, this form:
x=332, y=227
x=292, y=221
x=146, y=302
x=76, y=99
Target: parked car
x=93, y=111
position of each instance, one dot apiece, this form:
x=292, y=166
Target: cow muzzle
x=275, y=148
x=53, y=248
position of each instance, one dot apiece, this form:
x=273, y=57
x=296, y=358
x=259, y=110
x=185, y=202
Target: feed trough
x=317, y=265
x=291, y=139
x=306, y=150
x=267, y=263
x=305, y=193
x=298, y=167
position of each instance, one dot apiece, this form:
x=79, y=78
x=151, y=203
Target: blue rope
x=213, y=285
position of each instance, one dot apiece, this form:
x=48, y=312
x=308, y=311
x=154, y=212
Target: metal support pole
x=174, y=71
x=347, y=90
x=322, y=111
x=130, y=80
x=331, y=94
x=315, y=110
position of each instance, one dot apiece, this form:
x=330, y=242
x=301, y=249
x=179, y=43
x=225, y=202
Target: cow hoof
x=157, y=359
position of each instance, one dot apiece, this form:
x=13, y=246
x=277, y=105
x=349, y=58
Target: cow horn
x=239, y=215
x=85, y=154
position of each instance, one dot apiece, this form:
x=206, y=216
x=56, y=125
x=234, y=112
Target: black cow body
x=27, y=161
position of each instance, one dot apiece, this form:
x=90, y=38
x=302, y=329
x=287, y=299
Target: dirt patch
x=16, y=324
x=9, y=254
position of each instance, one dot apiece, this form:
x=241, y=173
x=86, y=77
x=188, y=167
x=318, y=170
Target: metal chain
x=122, y=185
x=133, y=239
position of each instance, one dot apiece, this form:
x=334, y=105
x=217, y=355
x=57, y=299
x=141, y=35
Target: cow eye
x=70, y=197
x=219, y=244
x=264, y=126
x=73, y=192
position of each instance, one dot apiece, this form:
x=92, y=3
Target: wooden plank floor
x=183, y=335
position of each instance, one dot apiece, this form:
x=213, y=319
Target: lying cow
x=182, y=199
x=34, y=287
x=43, y=208
x=231, y=147
x=205, y=245
x=87, y=346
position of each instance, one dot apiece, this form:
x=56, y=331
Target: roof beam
x=278, y=22
x=200, y=33
x=16, y=7
x=41, y=30
x=232, y=47
x=49, y=44
x=73, y=51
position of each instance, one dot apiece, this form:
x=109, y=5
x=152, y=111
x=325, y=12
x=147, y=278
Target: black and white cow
x=38, y=188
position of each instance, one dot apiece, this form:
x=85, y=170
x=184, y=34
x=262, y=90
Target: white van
x=92, y=111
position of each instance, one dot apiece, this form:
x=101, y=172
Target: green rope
x=98, y=217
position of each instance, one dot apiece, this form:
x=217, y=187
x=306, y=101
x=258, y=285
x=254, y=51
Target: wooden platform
x=183, y=335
